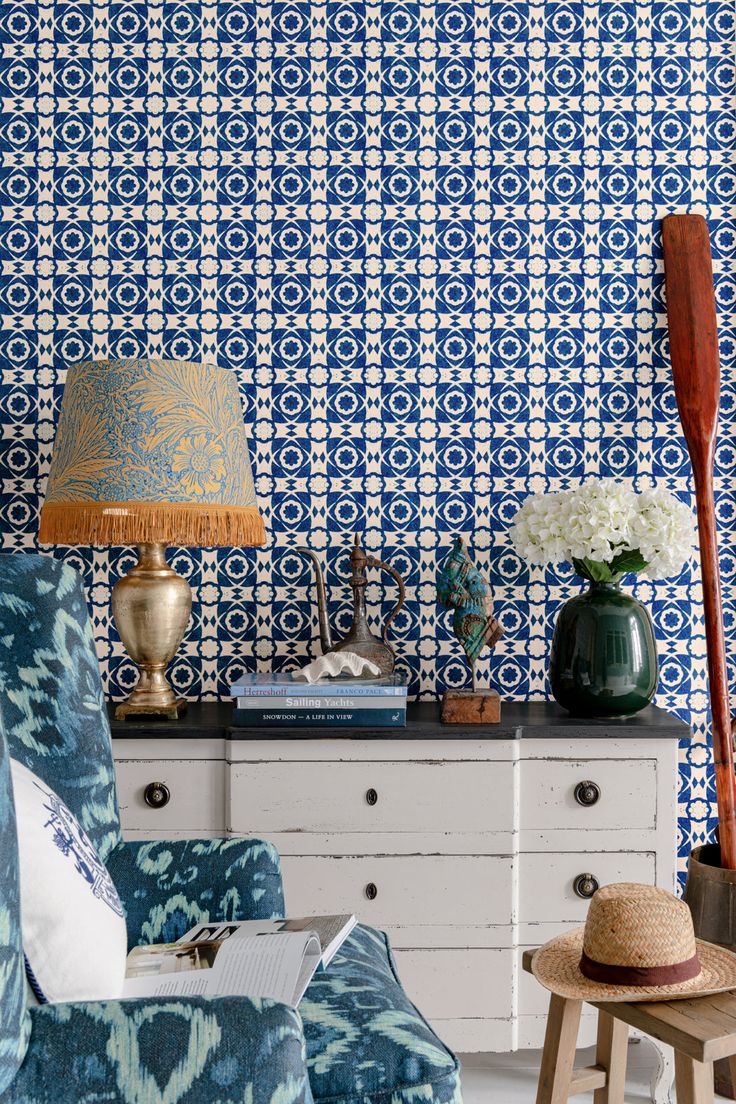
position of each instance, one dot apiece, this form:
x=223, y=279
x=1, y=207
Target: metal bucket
x=710, y=892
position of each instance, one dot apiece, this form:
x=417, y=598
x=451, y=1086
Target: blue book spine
x=317, y=689
x=326, y=718
x=339, y=703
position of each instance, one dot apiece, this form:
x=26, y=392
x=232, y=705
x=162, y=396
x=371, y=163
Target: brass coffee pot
x=360, y=639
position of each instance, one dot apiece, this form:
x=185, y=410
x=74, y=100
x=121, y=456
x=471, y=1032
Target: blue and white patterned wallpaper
x=422, y=235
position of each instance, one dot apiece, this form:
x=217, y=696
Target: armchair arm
x=216, y=1050
x=166, y=886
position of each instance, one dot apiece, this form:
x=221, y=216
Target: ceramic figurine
x=462, y=588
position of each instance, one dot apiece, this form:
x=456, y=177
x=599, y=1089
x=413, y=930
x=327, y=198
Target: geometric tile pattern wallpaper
x=424, y=238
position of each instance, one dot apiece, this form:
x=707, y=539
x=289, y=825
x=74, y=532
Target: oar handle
x=716, y=649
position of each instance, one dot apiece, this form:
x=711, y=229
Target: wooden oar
x=691, y=317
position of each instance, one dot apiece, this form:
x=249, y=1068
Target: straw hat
x=637, y=944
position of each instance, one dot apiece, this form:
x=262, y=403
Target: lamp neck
x=152, y=557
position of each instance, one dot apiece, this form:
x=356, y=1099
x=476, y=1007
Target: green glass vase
x=603, y=661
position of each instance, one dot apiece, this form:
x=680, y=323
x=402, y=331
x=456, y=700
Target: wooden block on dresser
x=471, y=707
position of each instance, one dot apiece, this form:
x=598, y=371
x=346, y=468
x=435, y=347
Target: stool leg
x=558, y=1056
x=693, y=1080
x=724, y=1071
x=662, y=1081
x=611, y=1053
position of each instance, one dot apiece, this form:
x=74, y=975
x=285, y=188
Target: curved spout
x=325, y=633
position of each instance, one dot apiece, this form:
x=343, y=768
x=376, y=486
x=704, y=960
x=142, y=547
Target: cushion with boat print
x=73, y=925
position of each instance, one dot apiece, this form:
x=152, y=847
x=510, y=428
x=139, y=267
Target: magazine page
x=267, y=965
x=331, y=930
x=312, y=962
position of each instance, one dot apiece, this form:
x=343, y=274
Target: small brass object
x=156, y=795
x=587, y=793
x=151, y=606
x=359, y=639
x=586, y=886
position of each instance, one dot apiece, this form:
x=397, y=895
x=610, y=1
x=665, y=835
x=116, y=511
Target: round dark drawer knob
x=371, y=796
x=585, y=885
x=371, y=891
x=156, y=795
x=587, y=793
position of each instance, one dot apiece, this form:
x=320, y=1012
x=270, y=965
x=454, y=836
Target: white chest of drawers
x=465, y=845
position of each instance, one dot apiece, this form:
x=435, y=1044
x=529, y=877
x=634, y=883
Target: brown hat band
x=639, y=975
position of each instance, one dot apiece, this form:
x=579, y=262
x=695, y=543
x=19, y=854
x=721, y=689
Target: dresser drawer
x=467, y=984
x=391, y=891
x=547, y=882
x=196, y=801
x=371, y=797
x=623, y=795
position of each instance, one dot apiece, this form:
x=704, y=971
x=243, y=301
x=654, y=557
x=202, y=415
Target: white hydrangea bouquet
x=603, y=656
x=606, y=530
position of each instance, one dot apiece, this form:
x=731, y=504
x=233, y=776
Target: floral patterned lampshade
x=151, y=451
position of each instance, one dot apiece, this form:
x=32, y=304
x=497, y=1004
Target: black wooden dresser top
x=519, y=720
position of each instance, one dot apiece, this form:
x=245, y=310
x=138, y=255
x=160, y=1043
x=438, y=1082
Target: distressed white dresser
x=466, y=844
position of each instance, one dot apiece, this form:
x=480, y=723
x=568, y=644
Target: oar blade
x=691, y=318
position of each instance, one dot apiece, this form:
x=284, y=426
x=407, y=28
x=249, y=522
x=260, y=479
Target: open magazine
x=249, y=958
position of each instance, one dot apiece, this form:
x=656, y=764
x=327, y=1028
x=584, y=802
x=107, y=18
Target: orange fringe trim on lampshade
x=199, y=525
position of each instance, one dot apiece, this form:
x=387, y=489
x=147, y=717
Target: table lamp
x=151, y=452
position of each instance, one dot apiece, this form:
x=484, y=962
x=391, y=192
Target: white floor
x=512, y=1078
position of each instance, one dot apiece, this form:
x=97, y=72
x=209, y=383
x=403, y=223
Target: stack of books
x=272, y=700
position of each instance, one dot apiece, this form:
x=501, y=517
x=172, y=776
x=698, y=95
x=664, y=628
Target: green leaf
x=628, y=562
x=594, y=570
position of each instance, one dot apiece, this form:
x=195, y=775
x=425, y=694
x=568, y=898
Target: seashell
x=339, y=663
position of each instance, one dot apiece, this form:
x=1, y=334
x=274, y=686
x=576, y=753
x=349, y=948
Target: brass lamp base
x=156, y=708
x=151, y=607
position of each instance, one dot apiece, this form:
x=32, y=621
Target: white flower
x=600, y=521
x=664, y=533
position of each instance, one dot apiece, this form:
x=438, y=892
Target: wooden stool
x=700, y=1031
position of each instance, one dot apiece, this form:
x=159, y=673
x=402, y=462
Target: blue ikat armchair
x=356, y=1038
